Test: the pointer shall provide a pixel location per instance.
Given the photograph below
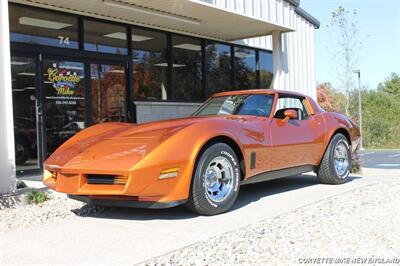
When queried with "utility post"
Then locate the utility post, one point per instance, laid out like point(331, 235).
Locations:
point(358, 72)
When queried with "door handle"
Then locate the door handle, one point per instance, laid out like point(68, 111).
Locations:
point(39, 117)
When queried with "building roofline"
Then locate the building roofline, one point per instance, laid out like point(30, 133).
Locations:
point(303, 13)
point(295, 3)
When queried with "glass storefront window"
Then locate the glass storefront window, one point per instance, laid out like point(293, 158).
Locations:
point(36, 26)
point(245, 68)
point(23, 78)
point(266, 69)
point(105, 37)
point(218, 64)
point(108, 93)
point(63, 83)
point(187, 69)
point(150, 65)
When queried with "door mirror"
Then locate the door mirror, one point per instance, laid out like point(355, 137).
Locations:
point(290, 114)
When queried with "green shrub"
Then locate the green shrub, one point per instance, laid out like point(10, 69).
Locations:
point(36, 196)
point(381, 123)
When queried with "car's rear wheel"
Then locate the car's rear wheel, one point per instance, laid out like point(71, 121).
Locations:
point(216, 180)
point(335, 165)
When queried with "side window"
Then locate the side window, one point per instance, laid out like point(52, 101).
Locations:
point(258, 105)
point(297, 104)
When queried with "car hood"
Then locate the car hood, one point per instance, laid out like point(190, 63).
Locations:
point(119, 148)
point(115, 150)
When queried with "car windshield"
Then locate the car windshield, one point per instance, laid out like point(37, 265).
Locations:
point(246, 104)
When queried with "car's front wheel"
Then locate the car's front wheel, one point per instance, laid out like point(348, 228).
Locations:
point(216, 181)
point(335, 165)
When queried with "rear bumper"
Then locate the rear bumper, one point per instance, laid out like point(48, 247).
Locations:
point(127, 203)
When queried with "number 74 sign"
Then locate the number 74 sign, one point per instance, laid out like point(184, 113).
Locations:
point(63, 40)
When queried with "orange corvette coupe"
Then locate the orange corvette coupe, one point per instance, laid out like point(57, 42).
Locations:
point(234, 138)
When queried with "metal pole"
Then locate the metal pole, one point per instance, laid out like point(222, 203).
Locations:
point(360, 109)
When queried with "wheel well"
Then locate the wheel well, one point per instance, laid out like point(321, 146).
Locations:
point(231, 143)
point(344, 132)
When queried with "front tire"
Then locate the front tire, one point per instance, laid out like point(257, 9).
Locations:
point(335, 165)
point(216, 181)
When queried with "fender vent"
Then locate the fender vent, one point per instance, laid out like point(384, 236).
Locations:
point(252, 160)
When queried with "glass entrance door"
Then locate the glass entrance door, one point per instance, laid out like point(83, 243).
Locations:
point(64, 101)
point(108, 93)
point(26, 113)
point(55, 98)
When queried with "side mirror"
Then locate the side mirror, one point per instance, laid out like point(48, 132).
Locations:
point(290, 114)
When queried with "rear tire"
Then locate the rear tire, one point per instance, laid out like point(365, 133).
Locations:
point(216, 181)
point(335, 165)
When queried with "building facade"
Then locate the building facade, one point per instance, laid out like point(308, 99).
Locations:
point(66, 65)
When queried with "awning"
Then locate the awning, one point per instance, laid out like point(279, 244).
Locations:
point(192, 17)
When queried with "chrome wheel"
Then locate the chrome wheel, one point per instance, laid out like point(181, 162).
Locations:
point(341, 159)
point(219, 179)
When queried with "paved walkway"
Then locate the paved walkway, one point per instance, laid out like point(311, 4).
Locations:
point(128, 236)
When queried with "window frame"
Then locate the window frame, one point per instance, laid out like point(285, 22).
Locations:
point(168, 55)
point(82, 54)
point(256, 68)
point(231, 65)
point(81, 34)
point(55, 12)
point(202, 66)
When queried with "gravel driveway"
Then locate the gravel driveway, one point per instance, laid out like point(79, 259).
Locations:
point(360, 224)
point(58, 208)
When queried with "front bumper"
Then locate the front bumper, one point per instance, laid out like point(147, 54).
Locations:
point(126, 202)
point(143, 185)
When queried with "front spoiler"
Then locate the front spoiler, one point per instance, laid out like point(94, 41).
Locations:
point(127, 203)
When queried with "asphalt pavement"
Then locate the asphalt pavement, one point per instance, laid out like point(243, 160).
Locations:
point(380, 159)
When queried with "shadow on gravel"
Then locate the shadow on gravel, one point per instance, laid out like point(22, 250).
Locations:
point(248, 194)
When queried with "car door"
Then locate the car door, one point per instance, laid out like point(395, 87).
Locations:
point(295, 142)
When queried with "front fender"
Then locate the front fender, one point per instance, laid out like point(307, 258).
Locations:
point(336, 122)
point(181, 151)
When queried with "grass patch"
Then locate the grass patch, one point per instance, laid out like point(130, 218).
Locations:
point(36, 196)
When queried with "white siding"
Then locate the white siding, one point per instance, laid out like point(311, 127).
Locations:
point(7, 161)
point(298, 47)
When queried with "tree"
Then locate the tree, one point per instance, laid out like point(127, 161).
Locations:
point(344, 27)
point(329, 99)
point(391, 85)
point(380, 118)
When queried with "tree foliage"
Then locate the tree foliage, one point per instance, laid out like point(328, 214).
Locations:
point(391, 85)
point(329, 99)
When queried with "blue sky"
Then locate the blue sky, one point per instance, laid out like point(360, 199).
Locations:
point(379, 25)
